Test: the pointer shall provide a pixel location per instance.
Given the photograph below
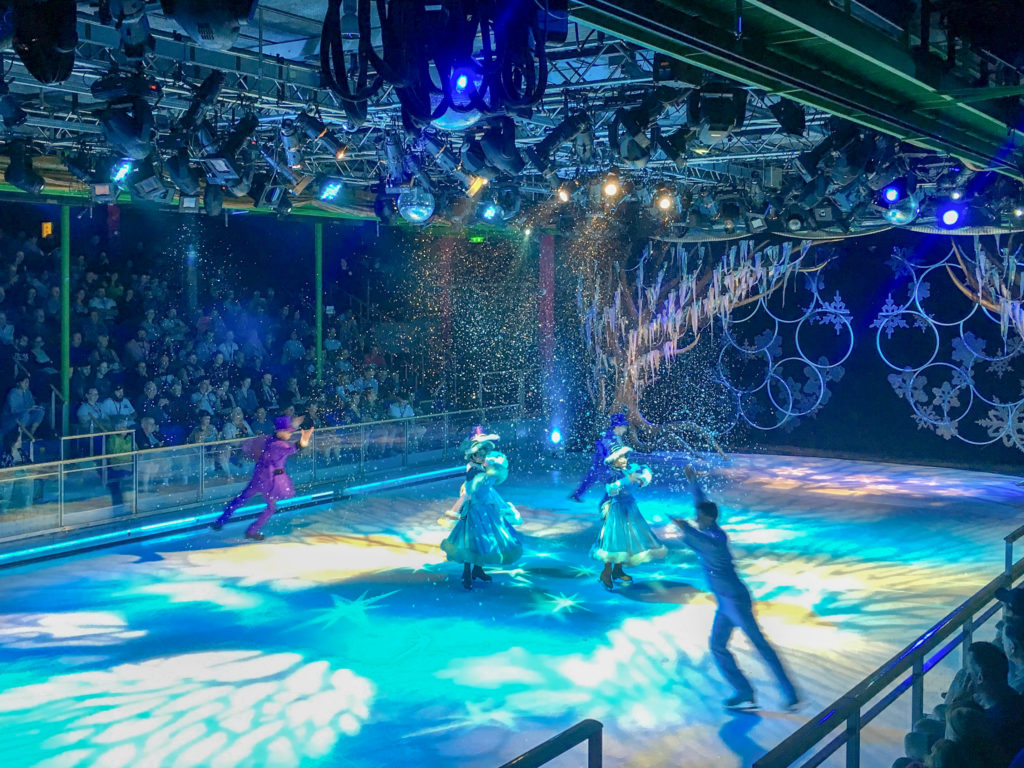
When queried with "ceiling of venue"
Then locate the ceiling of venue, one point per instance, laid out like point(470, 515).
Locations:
point(721, 117)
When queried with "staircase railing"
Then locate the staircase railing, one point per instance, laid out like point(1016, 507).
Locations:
point(589, 731)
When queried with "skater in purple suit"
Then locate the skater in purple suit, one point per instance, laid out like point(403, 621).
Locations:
point(269, 476)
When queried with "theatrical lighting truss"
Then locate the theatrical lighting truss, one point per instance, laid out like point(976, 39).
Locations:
point(591, 80)
point(10, 109)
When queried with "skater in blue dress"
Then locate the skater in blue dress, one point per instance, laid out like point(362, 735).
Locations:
point(625, 538)
point(483, 534)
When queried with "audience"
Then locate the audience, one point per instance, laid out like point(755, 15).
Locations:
point(137, 354)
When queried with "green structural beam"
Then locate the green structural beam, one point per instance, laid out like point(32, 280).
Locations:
point(65, 316)
point(826, 58)
point(318, 255)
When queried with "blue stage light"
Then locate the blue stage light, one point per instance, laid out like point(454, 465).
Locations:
point(121, 171)
point(461, 82)
point(490, 212)
point(330, 190)
point(891, 194)
point(950, 217)
point(556, 436)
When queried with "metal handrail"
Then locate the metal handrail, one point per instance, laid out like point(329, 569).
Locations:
point(241, 440)
point(1009, 541)
point(847, 709)
point(586, 730)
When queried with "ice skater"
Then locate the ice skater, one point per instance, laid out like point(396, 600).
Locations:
point(483, 534)
point(735, 606)
point(625, 538)
point(609, 440)
point(269, 476)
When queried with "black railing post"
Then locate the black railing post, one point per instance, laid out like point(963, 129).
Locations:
point(966, 639)
point(917, 691)
point(853, 739)
point(595, 750)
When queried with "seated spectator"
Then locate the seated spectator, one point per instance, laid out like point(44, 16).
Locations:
point(103, 380)
point(292, 396)
point(94, 327)
point(218, 369)
point(103, 304)
point(245, 397)
point(204, 431)
point(6, 330)
point(267, 394)
point(138, 349)
point(1012, 636)
point(373, 358)
point(135, 379)
point(225, 401)
point(261, 424)
point(40, 360)
point(207, 348)
point(371, 409)
point(147, 436)
point(118, 409)
point(400, 408)
point(21, 352)
point(293, 349)
point(163, 375)
point(79, 306)
point(90, 414)
point(1003, 707)
point(78, 354)
point(152, 404)
point(228, 347)
point(205, 399)
point(81, 381)
point(52, 305)
point(104, 354)
point(20, 410)
point(172, 327)
point(150, 324)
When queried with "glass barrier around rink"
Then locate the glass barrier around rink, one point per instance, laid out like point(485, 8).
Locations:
point(92, 488)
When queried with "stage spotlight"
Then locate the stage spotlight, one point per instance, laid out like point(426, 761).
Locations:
point(905, 210)
point(188, 204)
point(203, 98)
point(633, 143)
point(183, 174)
point(20, 172)
point(449, 163)
point(10, 109)
point(956, 194)
point(790, 117)
point(213, 200)
point(897, 191)
point(674, 145)
point(527, 232)
point(210, 25)
point(797, 220)
point(719, 108)
point(466, 81)
point(611, 186)
point(222, 166)
point(290, 142)
point(120, 171)
point(499, 146)
point(128, 127)
point(319, 131)
point(330, 188)
point(564, 194)
point(284, 204)
point(145, 184)
point(416, 205)
point(555, 436)
point(568, 130)
point(951, 216)
point(664, 202)
point(45, 37)
point(490, 211)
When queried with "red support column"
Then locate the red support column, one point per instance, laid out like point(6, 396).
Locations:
point(546, 314)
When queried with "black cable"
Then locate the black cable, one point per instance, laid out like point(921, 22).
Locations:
point(334, 71)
